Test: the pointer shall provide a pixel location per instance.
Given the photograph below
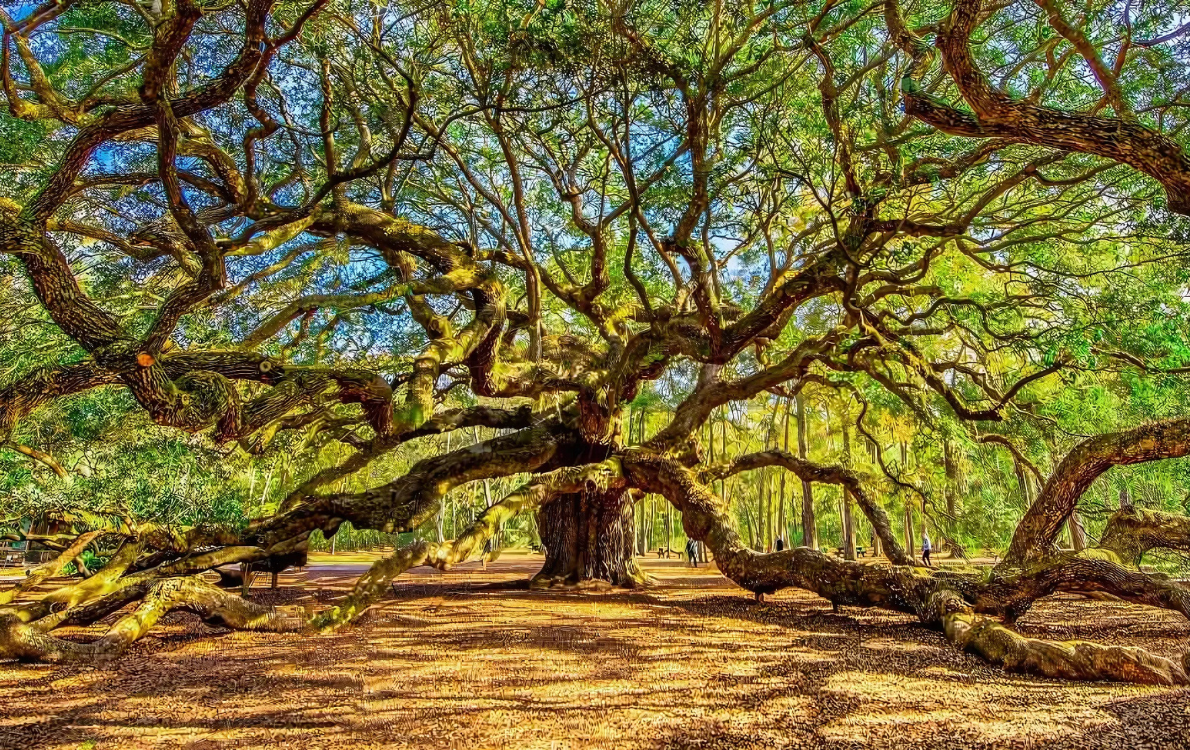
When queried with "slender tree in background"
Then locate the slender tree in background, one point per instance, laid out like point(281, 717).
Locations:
point(809, 524)
point(846, 520)
point(374, 224)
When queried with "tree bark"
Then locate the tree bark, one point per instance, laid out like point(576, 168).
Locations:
point(783, 523)
point(909, 536)
point(1132, 531)
point(1078, 533)
point(955, 602)
point(588, 537)
point(995, 114)
point(951, 478)
point(1035, 534)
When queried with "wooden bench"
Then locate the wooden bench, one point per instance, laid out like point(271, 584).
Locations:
point(244, 574)
point(667, 553)
point(861, 551)
point(11, 556)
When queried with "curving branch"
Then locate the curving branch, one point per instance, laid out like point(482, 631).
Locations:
point(995, 114)
point(1035, 534)
point(808, 471)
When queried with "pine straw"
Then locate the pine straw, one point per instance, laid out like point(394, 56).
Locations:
point(692, 663)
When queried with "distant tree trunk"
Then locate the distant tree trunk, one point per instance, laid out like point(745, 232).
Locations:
point(669, 527)
point(487, 503)
point(268, 481)
point(641, 512)
point(1078, 534)
point(951, 477)
point(652, 525)
point(910, 548)
point(723, 455)
point(440, 519)
point(1022, 482)
point(809, 525)
point(872, 449)
point(588, 536)
point(638, 508)
point(750, 525)
point(782, 523)
point(848, 522)
point(761, 508)
point(909, 536)
point(950, 527)
point(766, 492)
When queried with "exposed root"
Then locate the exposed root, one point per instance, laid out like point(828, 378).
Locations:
point(1071, 660)
point(52, 568)
point(959, 603)
point(704, 517)
point(564, 583)
point(946, 599)
point(1090, 571)
point(99, 583)
point(25, 641)
point(371, 586)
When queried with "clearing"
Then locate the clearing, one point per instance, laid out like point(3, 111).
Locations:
point(470, 659)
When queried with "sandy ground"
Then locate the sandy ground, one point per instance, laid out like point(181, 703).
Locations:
point(471, 660)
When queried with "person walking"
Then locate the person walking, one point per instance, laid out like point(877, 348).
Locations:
point(692, 552)
point(925, 548)
point(487, 552)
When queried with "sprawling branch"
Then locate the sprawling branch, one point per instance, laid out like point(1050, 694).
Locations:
point(811, 472)
point(997, 115)
point(1035, 535)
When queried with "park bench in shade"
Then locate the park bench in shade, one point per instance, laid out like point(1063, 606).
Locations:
point(11, 556)
point(861, 551)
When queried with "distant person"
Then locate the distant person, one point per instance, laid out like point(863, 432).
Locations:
point(780, 544)
point(692, 552)
point(925, 548)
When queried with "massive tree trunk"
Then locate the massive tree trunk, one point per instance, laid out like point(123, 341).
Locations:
point(588, 537)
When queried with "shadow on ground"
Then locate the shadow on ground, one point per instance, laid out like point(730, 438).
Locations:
point(449, 661)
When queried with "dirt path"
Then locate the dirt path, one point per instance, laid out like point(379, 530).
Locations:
point(468, 660)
